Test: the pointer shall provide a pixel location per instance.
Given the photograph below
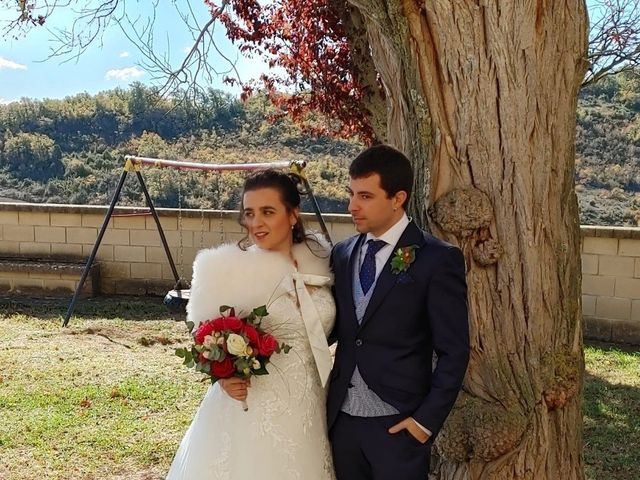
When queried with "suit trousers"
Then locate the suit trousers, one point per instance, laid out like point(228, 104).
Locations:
point(363, 449)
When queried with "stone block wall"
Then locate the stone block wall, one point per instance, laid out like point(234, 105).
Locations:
point(131, 256)
point(611, 283)
point(132, 260)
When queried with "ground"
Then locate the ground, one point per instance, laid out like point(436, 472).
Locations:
point(107, 398)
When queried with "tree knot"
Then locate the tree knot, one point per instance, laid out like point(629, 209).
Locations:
point(562, 380)
point(480, 430)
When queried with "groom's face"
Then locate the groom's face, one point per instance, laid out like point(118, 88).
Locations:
point(371, 208)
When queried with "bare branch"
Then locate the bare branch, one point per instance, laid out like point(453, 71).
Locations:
point(192, 77)
point(28, 14)
point(196, 72)
point(88, 26)
point(614, 38)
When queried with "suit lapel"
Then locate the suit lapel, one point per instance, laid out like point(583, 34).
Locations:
point(386, 280)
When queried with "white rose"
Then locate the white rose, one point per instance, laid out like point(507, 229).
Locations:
point(236, 344)
point(256, 364)
point(209, 341)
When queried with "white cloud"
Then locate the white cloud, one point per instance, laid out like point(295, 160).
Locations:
point(124, 55)
point(4, 101)
point(124, 73)
point(4, 63)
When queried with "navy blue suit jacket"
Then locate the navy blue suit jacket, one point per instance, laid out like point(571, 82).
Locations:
point(410, 315)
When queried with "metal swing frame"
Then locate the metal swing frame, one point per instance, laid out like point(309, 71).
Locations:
point(134, 164)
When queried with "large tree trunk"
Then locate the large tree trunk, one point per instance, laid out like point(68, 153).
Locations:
point(482, 96)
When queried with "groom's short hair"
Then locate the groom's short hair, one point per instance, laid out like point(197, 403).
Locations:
point(393, 167)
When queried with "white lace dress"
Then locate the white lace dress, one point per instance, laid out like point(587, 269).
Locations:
point(283, 435)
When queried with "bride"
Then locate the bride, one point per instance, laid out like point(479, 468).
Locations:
point(283, 434)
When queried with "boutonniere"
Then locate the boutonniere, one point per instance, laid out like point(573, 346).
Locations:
point(403, 259)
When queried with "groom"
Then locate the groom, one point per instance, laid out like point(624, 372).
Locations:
point(400, 296)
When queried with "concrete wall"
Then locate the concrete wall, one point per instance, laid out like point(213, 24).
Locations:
point(132, 260)
point(611, 283)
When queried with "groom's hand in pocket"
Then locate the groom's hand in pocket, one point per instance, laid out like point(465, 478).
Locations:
point(410, 425)
point(236, 388)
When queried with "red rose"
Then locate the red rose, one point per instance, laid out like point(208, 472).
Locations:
point(252, 334)
point(218, 324)
point(268, 345)
point(205, 328)
point(233, 323)
point(223, 369)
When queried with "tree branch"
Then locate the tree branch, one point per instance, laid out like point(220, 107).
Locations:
point(192, 77)
point(614, 38)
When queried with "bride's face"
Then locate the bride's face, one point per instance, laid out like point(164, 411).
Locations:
point(268, 220)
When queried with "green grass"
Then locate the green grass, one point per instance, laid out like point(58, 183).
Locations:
point(611, 408)
point(106, 397)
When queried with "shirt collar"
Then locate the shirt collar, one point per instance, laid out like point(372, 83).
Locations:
point(392, 236)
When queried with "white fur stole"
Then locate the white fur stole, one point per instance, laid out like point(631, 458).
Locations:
point(245, 279)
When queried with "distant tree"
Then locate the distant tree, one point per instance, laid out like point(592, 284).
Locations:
point(150, 144)
point(220, 111)
point(144, 109)
point(606, 87)
point(32, 155)
point(629, 82)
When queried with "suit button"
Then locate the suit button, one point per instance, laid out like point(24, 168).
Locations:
point(358, 343)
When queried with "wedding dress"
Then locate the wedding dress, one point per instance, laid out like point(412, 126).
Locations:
point(283, 435)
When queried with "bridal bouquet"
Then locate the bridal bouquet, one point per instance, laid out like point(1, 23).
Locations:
point(231, 346)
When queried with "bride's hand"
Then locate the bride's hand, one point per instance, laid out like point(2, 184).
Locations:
point(236, 388)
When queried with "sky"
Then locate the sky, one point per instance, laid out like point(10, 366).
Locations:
point(26, 70)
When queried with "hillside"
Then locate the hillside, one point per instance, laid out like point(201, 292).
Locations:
point(71, 150)
point(608, 152)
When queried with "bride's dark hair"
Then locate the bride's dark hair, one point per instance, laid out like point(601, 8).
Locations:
point(287, 186)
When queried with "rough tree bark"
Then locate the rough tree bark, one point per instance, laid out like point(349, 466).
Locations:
point(482, 96)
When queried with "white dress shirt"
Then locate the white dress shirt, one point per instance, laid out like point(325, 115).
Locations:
point(390, 237)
